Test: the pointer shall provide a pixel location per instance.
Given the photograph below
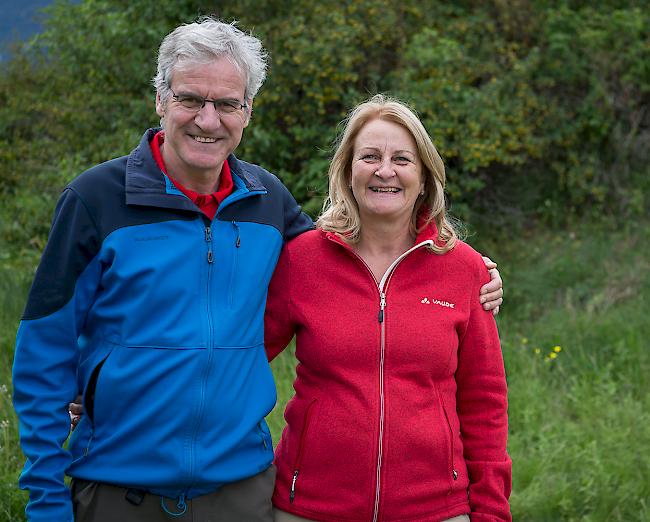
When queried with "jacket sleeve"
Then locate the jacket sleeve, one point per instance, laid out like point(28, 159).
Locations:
point(278, 324)
point(46, 356)
point(295, 220)
point(483, 410)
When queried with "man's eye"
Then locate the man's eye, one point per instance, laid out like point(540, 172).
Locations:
point(228, 105)
point(190, 102)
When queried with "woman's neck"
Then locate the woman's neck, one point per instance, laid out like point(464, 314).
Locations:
point(379, 245)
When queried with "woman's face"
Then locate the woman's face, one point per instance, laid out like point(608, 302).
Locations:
point(386, 172)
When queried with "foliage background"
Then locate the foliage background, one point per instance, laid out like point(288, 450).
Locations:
point(540, 110)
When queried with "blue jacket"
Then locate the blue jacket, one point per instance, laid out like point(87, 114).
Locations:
point(156, 315)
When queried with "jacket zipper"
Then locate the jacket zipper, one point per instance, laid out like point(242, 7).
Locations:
point(207, 230)
point(382, 287)
point(235, 263)
point(260, 432)
point(382, 306)
point(301, 447)
point(208, 240)
point(90, 439)
point(206, 367)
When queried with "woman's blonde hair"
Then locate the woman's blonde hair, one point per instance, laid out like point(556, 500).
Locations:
point(341, 212)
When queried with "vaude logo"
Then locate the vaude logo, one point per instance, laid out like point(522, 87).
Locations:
point(425, 300)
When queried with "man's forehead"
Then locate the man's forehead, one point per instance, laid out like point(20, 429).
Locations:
point(207, 65)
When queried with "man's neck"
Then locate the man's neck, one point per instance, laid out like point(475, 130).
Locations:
point(200, 183)
point(203, 181)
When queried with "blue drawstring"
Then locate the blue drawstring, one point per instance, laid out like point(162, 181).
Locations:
point(180, 505)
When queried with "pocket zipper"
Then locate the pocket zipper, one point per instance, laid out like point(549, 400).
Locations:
point(301, 447)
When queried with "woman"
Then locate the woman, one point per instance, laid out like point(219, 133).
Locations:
point(400, 411)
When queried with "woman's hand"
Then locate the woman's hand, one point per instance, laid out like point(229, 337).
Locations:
point(492, 292)
point(76, 410)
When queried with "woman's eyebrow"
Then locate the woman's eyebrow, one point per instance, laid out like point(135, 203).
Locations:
point(406, 151)
point(372, 148)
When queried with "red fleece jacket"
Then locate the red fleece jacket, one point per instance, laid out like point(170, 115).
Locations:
point(400, 411)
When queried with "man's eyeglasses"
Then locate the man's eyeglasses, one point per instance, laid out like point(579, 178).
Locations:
point(194, 103)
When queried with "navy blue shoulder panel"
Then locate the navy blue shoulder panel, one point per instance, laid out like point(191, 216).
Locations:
point(102, 189)
point(89, 209)
point(71, 245)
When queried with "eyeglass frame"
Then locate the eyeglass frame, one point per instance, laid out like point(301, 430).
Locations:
point(214, 102)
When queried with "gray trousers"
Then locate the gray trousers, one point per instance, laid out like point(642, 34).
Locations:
point(283, 516)
point(246, 500)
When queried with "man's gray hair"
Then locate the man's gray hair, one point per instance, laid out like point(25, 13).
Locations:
point(203, 41)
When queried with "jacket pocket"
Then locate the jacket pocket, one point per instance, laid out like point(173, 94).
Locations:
point(264, 434)
point(309, 412)
point(451, 472)
point(82, 437)
point(89, 392)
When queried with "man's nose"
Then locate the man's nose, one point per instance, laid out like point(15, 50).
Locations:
point(208, 117)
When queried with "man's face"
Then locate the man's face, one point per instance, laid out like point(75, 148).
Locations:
point(197, 143)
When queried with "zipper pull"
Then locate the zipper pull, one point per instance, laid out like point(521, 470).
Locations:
point(208, 239)
point(293, 486)
point(455, 474)
point(382, 305)
point(236, 227)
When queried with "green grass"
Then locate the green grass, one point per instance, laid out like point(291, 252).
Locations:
point(579, 419)
point(13, 288)
point(579, 416)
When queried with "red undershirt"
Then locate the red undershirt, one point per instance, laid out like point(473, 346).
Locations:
point(207, 203)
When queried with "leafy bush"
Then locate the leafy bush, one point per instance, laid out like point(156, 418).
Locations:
point(540, 109)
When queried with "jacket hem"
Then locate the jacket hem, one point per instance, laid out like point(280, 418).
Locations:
point(457, 509)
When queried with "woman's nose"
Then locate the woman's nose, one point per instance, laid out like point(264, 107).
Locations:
point(385, 169)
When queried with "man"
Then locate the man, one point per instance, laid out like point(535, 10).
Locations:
point(150, 299)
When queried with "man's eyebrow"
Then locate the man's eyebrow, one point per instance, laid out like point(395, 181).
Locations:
point(195, 95)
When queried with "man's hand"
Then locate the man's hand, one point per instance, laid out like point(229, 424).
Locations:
point(492, 292)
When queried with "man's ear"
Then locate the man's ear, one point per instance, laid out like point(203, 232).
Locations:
point(160, 107)
point(249, 112)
